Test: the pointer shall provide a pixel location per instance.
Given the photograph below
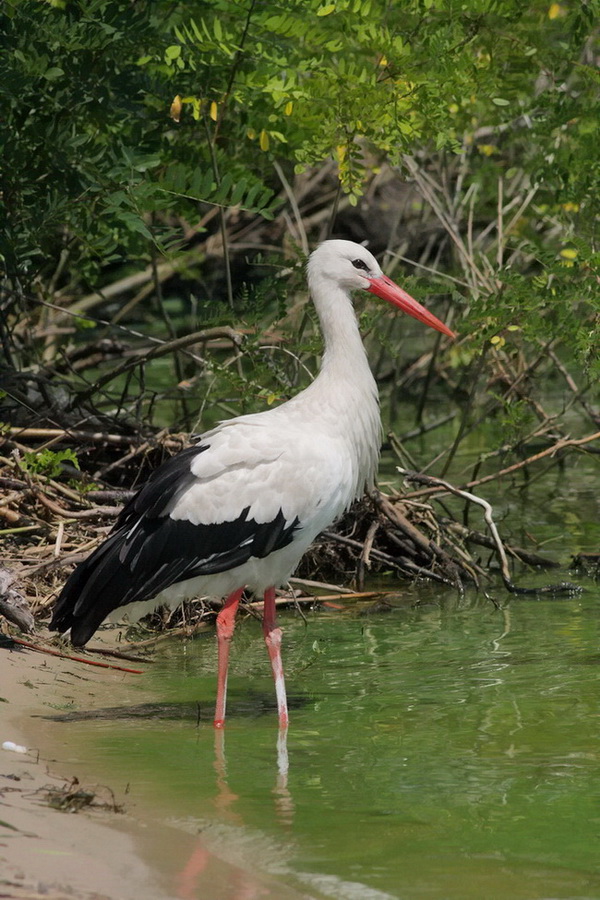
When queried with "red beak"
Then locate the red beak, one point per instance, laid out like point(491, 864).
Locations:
point(385, 288)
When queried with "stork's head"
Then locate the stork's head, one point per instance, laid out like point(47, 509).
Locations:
point(351, 266)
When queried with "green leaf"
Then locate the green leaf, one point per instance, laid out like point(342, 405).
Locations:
point(207, 185)
point(48, 462)
point(238, 192)
point(53, 73)
point(223, 188)
point(134, 223)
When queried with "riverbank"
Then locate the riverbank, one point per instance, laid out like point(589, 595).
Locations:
point(111, 849)
point(43, 850)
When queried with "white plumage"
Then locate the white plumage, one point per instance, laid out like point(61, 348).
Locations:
point(239, 509)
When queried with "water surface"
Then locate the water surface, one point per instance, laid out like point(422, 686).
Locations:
point(442, 749)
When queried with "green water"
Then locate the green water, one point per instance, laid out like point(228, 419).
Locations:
point(443, 749)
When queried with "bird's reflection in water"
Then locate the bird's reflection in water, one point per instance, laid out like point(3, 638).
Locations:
point(224, 798)
point(284, 804)
point(243, 884)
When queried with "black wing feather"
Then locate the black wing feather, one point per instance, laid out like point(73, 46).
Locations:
point(148, 551)
point(163, 489)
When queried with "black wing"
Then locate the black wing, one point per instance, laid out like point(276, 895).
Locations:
point(148, 551)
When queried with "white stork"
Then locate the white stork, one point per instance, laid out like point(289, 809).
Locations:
point(240, 507)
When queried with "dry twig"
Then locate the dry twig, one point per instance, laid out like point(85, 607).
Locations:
point(563, 587)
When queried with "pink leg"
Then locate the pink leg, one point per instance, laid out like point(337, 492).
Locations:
point(225, 627)
point(273, 641)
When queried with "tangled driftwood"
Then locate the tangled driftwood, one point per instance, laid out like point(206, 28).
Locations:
point(50, 525)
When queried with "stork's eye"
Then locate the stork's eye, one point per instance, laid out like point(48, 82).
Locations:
point(360, 264)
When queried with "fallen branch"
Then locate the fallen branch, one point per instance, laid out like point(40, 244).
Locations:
point(405, 567)
point(560, 588)
point(92, 513)
point(476, 537)
point(429, 547)
point(94, 437)
point(197, 337)
point(88, 662)
point(549, 451)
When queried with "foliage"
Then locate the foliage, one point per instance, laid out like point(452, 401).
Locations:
point(88, 87)
point(135, 134)
point(48, 462)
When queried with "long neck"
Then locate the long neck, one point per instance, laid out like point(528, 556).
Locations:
point(344, 394)
point(344, 356)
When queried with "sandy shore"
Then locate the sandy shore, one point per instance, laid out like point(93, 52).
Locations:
point(94, 853)
point(45, 851)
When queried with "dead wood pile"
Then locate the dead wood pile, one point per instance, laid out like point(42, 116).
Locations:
point(48, 525)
